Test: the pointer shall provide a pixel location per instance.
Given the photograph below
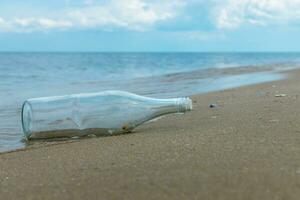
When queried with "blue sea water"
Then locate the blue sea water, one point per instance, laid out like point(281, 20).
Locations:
point(162, 75)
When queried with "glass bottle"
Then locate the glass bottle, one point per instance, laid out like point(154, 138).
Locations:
point(103, 113)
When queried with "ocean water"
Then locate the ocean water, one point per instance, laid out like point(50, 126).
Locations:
point(161, 75)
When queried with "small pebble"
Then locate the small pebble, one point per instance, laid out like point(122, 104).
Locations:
point(213, 105)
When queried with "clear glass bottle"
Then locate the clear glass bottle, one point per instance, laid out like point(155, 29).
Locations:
point(103, 113)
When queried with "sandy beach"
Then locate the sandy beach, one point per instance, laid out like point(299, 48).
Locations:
point(247, 147)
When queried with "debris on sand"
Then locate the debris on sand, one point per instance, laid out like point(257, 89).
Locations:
point(280, 95)
point(213, 105)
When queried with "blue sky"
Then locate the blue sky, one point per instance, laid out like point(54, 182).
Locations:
point(150, 25)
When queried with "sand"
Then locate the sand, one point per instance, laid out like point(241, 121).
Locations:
point(248, 147)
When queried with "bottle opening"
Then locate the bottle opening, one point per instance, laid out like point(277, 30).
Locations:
point(185, 104)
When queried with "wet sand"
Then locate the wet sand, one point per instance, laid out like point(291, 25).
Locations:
point(247, 147)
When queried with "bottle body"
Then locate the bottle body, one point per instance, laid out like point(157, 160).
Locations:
point(103, 113)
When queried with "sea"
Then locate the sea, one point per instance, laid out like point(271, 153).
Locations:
point(159, 75)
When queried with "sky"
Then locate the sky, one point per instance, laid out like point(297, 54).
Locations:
point(150, 25)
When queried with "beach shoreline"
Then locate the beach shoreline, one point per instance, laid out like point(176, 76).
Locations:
point(246, 147)
point(157, 75)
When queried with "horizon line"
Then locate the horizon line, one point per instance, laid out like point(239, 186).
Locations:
point(42, 51)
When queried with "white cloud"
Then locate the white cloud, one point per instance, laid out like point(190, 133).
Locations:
point(32, 24)
point(234, 13)
point(131, 14)
point(24, 22)
point(4, 25)
point(127, 14)
point(50, 23)
point(1, 20)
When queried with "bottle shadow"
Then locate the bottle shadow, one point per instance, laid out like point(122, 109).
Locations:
point(61, 140)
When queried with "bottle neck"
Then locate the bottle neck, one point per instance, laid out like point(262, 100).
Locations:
point(176, 105)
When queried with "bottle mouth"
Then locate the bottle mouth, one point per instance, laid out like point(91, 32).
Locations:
point(185, 104)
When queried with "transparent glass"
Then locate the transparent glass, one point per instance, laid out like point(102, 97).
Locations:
point(103, 113)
